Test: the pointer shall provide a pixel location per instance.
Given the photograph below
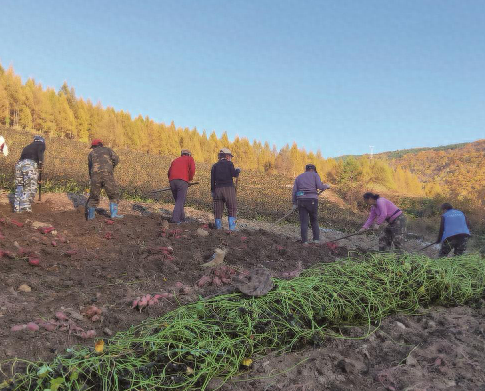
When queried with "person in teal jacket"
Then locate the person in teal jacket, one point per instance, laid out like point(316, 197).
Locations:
point(454, 231)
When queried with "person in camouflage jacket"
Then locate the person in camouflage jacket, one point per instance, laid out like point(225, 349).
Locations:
point(101, 162)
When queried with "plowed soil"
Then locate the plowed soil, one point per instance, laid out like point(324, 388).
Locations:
point(109, 263)
point(104, 265)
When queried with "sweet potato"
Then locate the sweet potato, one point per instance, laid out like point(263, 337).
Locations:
point(32, 326)
point(88, 334)
point(91, 311)
point(49, 325)
point(18, 327)
point(45, 230)
point(17, 223)
point(34, 261)
point(61, 315)
point(203, 281)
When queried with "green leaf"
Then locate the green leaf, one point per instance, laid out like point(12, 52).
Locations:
point(56, 383)
point(43, 371)
point(74, 375)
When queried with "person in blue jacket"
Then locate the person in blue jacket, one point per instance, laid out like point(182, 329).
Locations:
point(454, 231)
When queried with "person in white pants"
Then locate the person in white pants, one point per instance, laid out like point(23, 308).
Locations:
point(3, 147)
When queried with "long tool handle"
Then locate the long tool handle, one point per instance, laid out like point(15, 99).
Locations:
point(425, 247)
point(169, 188)
point(40, 185)
point(285, 216)
point(345, 237)
point(159, 190)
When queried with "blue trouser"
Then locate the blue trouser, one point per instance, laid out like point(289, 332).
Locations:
point(179, 191)
point(308, 209)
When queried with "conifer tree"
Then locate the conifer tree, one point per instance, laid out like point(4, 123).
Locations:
point(4, 105)
point(25, 118)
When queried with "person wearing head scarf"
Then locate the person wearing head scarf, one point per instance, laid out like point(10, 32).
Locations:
point(27, 174)
point(305, 199)
point(180, 173)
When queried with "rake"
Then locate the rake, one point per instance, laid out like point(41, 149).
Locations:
point(331, 244)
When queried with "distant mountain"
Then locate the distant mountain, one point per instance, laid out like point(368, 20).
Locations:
point(401, 152)
point(457, 170)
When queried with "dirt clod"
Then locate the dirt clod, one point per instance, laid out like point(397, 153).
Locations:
point(258, 283)
point(24, 288)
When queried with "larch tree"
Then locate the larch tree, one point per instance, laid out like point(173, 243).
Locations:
point(4, 106)
point(25, 117)
point(65, 120)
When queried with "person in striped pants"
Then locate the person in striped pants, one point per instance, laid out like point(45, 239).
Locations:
point(223, 190)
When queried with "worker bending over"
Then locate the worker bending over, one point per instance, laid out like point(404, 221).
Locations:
point(454, 231)
point(382, 210)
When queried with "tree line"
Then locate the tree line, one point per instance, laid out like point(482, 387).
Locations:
point(30, 106)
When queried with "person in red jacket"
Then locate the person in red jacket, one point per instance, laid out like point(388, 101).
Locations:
point(180, 173)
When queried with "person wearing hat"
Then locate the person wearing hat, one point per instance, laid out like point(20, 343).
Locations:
point(305, 199)
point(222, 188)
point(101, 163)
point(454, 231)
point(180, 173)
point(27, 173)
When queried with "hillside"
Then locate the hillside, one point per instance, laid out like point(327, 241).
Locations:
point(31, 107)
point(402, 152)
point(260, 195)
point(456, 171)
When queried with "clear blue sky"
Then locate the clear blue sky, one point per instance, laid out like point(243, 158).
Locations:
point(337, 75)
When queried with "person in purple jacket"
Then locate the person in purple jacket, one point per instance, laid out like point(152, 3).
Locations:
point(305, 199)
point(382, 210)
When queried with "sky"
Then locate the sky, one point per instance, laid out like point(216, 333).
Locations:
point(334, 75)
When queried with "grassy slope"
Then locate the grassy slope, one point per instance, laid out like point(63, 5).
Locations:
point(259, 196)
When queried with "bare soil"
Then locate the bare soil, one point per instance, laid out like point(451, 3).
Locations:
point(105, 264)
point(108, 263)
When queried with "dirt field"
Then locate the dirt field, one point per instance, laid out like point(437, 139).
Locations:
point(89, 273)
